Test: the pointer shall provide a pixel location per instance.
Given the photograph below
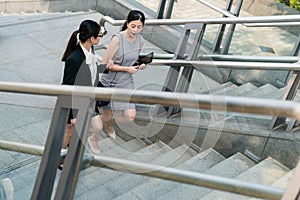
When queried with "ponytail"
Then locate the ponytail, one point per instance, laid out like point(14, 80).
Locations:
point(71, 45)
point(87, 29)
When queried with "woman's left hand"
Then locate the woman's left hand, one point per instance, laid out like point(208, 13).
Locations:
point(142, 66)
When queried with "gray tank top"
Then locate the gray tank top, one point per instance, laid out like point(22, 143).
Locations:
point(126, 55)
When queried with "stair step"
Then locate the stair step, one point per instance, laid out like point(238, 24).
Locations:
point(266, 172)
point(157, 187)
point(124, 149)
point(284, 180)
point(225, 90)
point(150, 152)
point(262, 92)
point(231, 167)
point(175, 157)
point(106, 144)
point(127, 181)
point(245, 88)
point(281, 182)
point(94, 177)
point(218, 88)
point(102, 178)
point(279, 93)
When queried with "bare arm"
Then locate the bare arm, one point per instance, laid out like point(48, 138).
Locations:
point(111, 50)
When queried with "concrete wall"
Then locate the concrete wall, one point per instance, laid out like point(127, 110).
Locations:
point(257, 144)
point(18, 6)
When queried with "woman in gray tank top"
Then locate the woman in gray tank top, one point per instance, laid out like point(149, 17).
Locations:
point(123, 50)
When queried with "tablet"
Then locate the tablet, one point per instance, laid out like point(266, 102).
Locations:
point(145, 59)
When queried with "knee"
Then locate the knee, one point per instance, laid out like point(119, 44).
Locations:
point(96, 129)
point(96, 125)
point(106, 118)
point(130, 118)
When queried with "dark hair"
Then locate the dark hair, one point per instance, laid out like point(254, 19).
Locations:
point(132, 16)
point(87, 29)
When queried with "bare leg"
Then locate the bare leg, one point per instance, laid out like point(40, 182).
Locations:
point(95, 129)
point(68, 134)
point(108, 121)
point(126, 117)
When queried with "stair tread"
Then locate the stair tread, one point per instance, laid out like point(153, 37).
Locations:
point(225, 90)
point(262, 92)
point(131, 180)
point(245, 88)
point(218, 88)
point(230, 168)
point(124, 149)
point(157, 187)
point(281, 182)
point(150, 152)
point(265, 172)
point(103, 175)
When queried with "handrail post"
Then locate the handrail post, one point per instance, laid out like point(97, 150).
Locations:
point(51, 159)
point(220, 34)
point(231, 29)
point(289, 94)
point(170, 9)
point(176, 82)
point(72, 164)
point(161, 9)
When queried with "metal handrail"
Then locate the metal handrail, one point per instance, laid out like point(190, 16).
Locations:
point(228, 14)
point(31, 149)
point(240, 58)
point(197, 101)
point(229, 64)
point(237, 20)
point(219, 10)
point(243, 58)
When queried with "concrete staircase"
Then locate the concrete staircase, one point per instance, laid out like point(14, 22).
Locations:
point(102, 183)
point(110, 184)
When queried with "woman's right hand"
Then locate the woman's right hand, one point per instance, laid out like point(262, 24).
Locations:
point(110, 64)
point(132, 69)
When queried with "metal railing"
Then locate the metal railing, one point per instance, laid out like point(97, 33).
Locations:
point(232, 104)
point(197, 101)
point(237, 20)
point(228, 14)
point(229, 64)
point(238, 58)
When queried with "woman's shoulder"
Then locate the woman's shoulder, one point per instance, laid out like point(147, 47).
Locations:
point(76, 54)
point(115, 39)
